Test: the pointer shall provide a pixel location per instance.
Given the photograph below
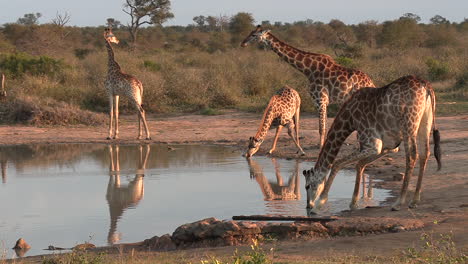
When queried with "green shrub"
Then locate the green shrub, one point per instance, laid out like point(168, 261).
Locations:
point(151, 65)
point(18, 64)
point(346, 62)
point(437, 70)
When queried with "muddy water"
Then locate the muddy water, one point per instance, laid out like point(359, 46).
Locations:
point(63, 195)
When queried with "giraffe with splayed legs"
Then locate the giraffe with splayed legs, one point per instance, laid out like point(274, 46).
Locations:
point(329, 82)
point(402, 111)
point(282, 110)
point(121, 84)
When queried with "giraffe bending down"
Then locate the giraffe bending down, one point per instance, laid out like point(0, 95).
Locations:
point(402, 111)
point(282, 110)
point(118, 83)
point(276, 190)
point(329, 82)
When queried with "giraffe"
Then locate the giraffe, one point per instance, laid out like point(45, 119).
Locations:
point(118, 83)
point(120, 197)
point(402, 111)
point(282, 110)
point(276, 191)
point(329, 82)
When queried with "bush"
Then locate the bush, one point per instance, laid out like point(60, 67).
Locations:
point(34, 111)
point(18, 64)
point(346, 62)
point(437, 70)
point(151, 65)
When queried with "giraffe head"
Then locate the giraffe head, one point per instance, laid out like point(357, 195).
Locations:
point(109, 36)
point(258, 34)
point(314, 185)
point(254, 145)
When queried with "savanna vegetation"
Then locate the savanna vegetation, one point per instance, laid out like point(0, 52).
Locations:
point(201, 67)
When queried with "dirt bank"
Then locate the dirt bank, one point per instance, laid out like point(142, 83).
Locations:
point(444, 196)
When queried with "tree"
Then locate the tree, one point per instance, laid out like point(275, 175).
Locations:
point(150, 12)
point(411, 16)
point(240, 25)
point(29, 19)
point(402, 33)
point(61, 20)
point(200, 21)
point(112, 23)
point(439, 20)
point(367, 32)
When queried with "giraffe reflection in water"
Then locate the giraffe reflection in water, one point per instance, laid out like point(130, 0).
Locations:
point(276, 190)
point(3, 164)
point(119, 196)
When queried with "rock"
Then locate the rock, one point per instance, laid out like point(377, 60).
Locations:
point(370, 225)
point(21, 244)
point(163, 243)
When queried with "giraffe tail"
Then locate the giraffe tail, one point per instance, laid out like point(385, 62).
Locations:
point(435, 131)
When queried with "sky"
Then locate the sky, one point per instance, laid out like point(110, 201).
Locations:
point(95, 12)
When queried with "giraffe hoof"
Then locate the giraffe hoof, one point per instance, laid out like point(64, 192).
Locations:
point(395, 208)
point(148, 138)
point(413, 205)
point(108, 138)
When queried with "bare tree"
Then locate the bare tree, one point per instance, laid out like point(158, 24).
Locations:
point(150, 12)
point(61, 19)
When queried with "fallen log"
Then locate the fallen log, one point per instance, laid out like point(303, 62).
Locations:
point(284, 218)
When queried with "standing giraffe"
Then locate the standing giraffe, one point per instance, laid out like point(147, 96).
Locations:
point(329, 82)
point(403, 110)
point(282, 110)
point(118, 83)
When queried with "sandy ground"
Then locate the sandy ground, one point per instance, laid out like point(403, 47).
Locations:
point(444, 196)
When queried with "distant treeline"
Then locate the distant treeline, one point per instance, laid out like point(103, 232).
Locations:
point(201, 66)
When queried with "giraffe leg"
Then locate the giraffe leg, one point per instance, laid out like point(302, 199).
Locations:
point(279, 178)
point(145, 124)
point(111, 156)
point(278, 130)
point(142, 117)
point(111, 115)
point(296, 130)
point(116, 112)
point(293, 137)
point(424, 133)
point(411, 156)
point(322, 121)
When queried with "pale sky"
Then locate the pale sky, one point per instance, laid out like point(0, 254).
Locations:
point(95, 12)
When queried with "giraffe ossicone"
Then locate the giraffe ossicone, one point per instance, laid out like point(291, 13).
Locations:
point(329, 82)
point(402, 111)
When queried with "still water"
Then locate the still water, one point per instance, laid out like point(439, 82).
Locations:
point(64, 194)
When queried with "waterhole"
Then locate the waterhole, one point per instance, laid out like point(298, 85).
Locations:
point(67, 194)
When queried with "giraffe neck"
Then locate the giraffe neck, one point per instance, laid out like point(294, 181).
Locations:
point(331, 147)
point(267, 120)
point(293, 56)
point(112, 65)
